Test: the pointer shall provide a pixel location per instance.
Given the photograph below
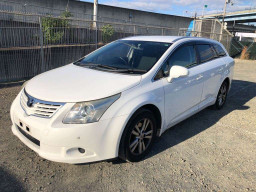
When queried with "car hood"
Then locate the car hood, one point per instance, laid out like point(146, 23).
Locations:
point(73, 83)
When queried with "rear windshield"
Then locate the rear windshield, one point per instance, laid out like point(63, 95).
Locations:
point(138, 56)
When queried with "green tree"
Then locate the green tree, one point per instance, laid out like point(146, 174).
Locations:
point(53, 27)
point(108, 32)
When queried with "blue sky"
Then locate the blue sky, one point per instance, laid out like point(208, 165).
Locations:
point(180, 7)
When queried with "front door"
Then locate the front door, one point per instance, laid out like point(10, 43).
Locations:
point(183, 94)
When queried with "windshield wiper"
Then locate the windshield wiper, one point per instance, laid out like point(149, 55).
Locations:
point(95, 65)
point(110, 68)
point(131, 70)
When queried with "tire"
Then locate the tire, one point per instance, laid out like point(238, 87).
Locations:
point(222, 96)
point(138, 136)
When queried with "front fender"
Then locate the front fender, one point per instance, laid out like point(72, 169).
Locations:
point(129, 102)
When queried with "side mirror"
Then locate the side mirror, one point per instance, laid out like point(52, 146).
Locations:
point(176, 72)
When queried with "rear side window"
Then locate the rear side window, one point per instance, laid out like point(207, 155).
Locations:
point(220, 51)
point(184, 56)
point(206, 53)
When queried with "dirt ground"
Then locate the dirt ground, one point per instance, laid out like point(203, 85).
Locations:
point(211, 151)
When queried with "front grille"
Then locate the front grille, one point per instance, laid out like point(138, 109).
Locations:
point(29, 137)
point(36, 107)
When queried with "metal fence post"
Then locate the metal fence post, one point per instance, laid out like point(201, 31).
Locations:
point(41, 44)
point(58, 45)
point(96, 34)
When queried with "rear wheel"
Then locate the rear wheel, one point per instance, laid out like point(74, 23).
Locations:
point(138, 136)
point(222, 96)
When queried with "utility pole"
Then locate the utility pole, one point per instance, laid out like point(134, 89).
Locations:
point(223, 17)
point(67, 6)
point(95, 18)
point(224, 12)
point(95, 13)
point(25, 10)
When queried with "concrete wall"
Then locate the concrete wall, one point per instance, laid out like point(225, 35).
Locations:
point(105, 13)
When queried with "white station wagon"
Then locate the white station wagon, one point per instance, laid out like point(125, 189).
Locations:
point(115, 101)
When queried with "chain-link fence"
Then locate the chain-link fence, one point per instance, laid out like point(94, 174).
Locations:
point(31, 43)
point(211, 29)
point(225, 39)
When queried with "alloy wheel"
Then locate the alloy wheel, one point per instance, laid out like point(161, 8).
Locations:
point(141, 136)
point(222, 95)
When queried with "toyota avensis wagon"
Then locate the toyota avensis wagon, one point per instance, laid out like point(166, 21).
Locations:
point(116, 100)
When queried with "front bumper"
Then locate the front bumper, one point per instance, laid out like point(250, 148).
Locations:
point(60, 142)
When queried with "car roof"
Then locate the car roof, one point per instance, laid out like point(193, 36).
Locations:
point(165, 39)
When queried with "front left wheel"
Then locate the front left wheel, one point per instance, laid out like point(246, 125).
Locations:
point(138, 136)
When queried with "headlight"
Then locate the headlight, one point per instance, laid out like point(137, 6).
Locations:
point(89, 112)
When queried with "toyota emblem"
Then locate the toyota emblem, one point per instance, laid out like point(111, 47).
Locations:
point(30, 102)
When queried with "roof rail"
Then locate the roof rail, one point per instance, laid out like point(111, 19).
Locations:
point(182, 37)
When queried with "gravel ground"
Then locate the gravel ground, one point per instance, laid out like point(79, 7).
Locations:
point(212, 150)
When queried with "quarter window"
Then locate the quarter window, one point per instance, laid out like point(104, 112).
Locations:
point(205, 53)
point(220, 51)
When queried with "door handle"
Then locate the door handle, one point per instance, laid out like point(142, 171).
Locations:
point(199, 77)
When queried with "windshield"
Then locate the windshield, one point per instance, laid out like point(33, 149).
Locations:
point(125, 56)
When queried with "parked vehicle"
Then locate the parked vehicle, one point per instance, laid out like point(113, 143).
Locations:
point(116, 100)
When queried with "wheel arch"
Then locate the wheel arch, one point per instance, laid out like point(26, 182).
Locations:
point(151, 107)
point(154, 109)
point(227, 79)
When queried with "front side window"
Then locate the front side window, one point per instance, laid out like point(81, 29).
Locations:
point(206, 53)
point(126, 56)
point(184, 56)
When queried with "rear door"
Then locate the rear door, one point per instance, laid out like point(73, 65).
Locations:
point(213, 66)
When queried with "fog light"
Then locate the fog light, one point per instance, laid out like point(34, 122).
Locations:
point(81, 150)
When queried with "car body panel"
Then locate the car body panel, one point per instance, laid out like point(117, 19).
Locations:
point(73, 83)
point(176, 101)
point(183, 94)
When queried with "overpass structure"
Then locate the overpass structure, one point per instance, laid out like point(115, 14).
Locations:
point(246, 16)
point(236, 20)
